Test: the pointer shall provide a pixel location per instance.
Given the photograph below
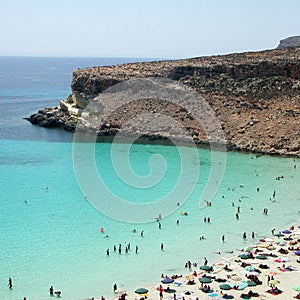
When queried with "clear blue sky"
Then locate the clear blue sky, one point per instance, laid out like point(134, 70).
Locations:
point(144, 28)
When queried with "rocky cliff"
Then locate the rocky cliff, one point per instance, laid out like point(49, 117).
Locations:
point(255, 96)
point(293, 41)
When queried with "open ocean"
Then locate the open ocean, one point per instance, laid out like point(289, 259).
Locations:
point(50, 236)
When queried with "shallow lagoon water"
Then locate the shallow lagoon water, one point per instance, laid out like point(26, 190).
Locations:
point(54, 238)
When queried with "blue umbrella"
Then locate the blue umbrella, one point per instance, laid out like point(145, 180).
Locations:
point(286, 231)
point(249, 268)
point(167, 280)
point(297, 252)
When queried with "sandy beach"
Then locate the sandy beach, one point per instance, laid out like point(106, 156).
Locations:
point(269, 269)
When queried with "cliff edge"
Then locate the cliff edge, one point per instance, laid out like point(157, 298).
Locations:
point(293, 41)
point(255, 96)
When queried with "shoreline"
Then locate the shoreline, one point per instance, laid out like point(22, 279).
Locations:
point(283, 271)
point(108, 137)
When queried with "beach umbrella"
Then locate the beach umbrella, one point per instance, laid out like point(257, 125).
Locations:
point(248, 249)
point(242, 286)
point(297, 288)
point(213, 295)
point(141, 291)
point(251, 283)
point(225, 287)
point(273, 281)
point(249, 268)
point(167, 280)
point(206, 268)
point(170, 291)
point(205, 280)
point(228, 297)
point(261, 257)
point(286, 231)
point(297, 252)
point(243, 256)
point(177, 283)
point(280, 241)
point(278, 234)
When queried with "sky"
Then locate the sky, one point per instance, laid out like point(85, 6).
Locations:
point(144, 28)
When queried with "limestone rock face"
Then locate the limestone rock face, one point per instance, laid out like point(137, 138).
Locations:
point(293, 41)
point(254, 95)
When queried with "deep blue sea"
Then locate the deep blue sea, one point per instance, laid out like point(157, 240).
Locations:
point(50, 232)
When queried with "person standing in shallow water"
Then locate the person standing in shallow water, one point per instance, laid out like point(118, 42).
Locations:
point(115, 287)
point(10, 282)
point(223, 238)
point(51, 290)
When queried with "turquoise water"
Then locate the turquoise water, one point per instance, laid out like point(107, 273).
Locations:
point(50, 236)
point(54, 238)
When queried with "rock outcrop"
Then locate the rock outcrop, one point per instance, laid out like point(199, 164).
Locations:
point(293, 41)
point(255, 96)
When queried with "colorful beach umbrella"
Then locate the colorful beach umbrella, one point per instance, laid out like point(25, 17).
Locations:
point(286, 231)
point(243, 256)
point(170, 291)
point(297, 288)
point(278, 234)
point(141, 291)
point(205, 280)
point(205, 268)
point(249, 268)
point(213, 295)
point(261, 257)
point(248, 249)
point(225, 287)
point(273, 281)
point(297, 252)
point(251, 283)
